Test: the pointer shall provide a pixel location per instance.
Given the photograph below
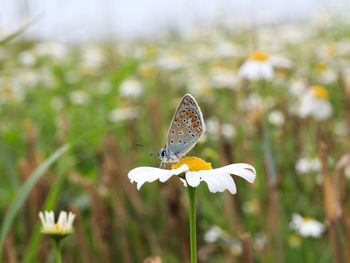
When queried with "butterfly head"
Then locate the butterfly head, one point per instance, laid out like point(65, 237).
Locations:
point(166, 156)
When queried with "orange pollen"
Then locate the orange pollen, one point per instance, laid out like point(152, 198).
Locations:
point(194, 163)
point(259, 56)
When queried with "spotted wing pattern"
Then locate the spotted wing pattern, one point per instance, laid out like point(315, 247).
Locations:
point(186, 127)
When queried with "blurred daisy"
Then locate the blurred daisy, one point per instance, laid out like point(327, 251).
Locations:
point(276, 118)
point(171, 61)
point(308, 165)
point(226, 129)
point(54, 50)
point(131, 88)
point(213, 234)
point(27, 58)
point(314, 104)
point(223, 78)
point(324, 73)
point(79, 97)
point(123, 114)
point(306, 226)
point(195, 171)
point(257, 67)
point(62, 228)
point(93, 57)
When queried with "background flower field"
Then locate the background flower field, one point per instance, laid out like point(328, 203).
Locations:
point(112, 102)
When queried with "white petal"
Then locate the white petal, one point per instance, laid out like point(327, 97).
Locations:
point(217, 181)
point(50, 218)
point(141, 175)
point(193, 179)
point(70, 219)
point(62, 219)
point(243, 170)
point(42, 218)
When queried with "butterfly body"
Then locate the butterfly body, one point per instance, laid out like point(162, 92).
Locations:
point(185, 130)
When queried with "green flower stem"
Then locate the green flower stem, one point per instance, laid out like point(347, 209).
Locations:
point(193, 239)
point(57, 251)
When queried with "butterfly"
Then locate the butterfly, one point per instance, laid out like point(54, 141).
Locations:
point(184, 132)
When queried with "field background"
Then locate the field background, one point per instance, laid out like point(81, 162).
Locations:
point(57, 93)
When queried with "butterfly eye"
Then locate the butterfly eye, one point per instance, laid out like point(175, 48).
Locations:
point(162, 153)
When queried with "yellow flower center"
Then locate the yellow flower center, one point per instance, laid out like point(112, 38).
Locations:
point(321, 68)
point(320, 92)
point(308, 219)
point(194, 164)
point(259, 56)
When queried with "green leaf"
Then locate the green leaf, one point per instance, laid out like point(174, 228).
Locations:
point(24, 191)
point(50, 203)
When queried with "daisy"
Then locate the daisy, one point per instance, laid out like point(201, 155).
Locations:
point(195, 171)
point(307, 226)
point(257, 67)
point(308, 165)
point(62, 228)
point(314, 104)
point(131, 88)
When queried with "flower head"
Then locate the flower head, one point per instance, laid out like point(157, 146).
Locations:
point(196, 170)
point(314, 104)
point(257, 67)
point(62, 228)
point(307, 226)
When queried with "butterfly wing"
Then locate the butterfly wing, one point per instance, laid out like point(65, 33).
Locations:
point(186, 127)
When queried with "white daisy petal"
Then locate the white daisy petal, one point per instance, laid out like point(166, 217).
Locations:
point(243, 170)
point(217, 181)
point(193, 178)
point(42, 219)
point(142, 175)
point(62, 218)
point(70, 219)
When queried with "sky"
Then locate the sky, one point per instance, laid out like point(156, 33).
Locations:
point(84, 20)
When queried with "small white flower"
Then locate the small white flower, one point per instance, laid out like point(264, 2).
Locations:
point(131, 88)
point(213, 234)
point(79, 97)
point(308, 165)
point(306, 226)
point(281, 62)
point(122, 114)
point(223, 78)
point(196, 170)
point(56, 50)
point(27, 58)
point(257, 67)
point(228, 130)
point(93, 57)
point(63, 227)
point(171, 61)
point(276, 118)
point(314, 104)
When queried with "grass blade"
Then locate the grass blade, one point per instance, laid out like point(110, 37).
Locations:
point(24, 191)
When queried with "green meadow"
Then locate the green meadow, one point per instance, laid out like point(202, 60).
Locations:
point(76, 118)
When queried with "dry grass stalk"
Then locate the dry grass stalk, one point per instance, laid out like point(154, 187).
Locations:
point(10, 254)
point(101, 218)
point(247, 248)
point(342, 189)
point(80, 236)
point(331, 204)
